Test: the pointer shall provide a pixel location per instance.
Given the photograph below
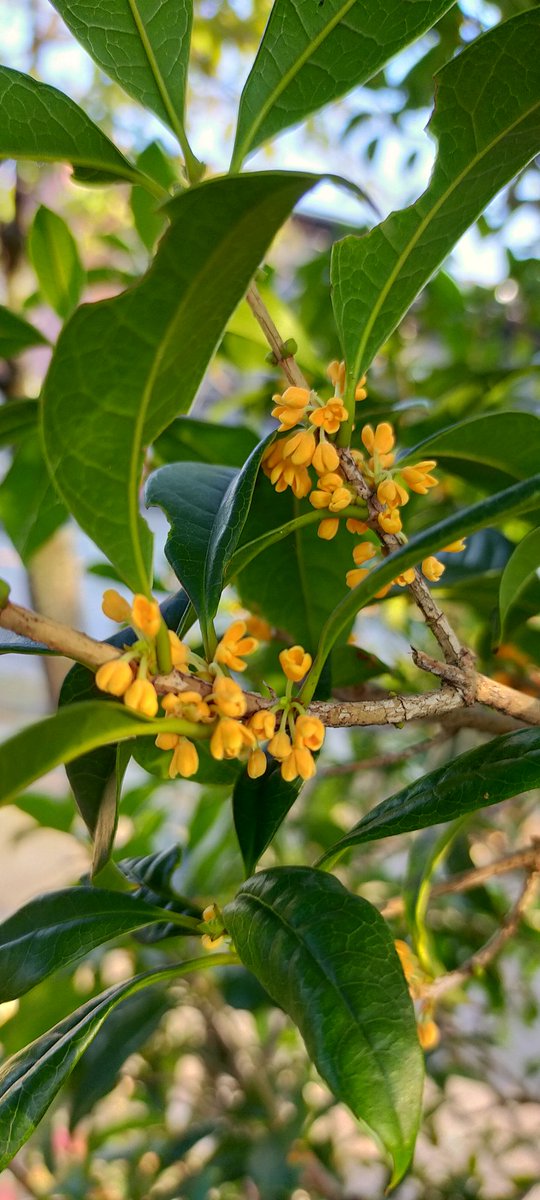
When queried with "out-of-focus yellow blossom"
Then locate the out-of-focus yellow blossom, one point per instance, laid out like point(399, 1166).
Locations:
point(432, 568)
point(146, 616)
point(234, 645)
point(228, 697)
point(115, 607)
point(295, 663)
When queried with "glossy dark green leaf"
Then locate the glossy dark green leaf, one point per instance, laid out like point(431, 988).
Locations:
point(328, 959)
point(143, 47)
point(30, 509)
point(149, 221)
point(259, 808)
point(74, 730)
point(228, 525)
point(17, 335)
point(494, 508)
point(41, 123)
point(486, 133)
point(508, 442)
point(520, 570)
point(190, 440)
point(506, 766)
point(311, 53)
point(139, 358)
point(30, 1080)
point(61, 927)
point(55, 259)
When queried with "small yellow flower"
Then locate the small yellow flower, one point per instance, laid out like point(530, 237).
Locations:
point(235, 644)
point(300, 448)
point(355, 526)
point(295, 663)
point(383, 591)
point(228, 697)
point(455, 547)
point(290, 407)
point(259, 628)
point(360, 390)
point(146, 616)
point(380, 441)
point(256, 764)
point(141, 696)
point(179, 652)
point(299, 762)
point(114, 677)
point(189, 705)
point(115, 607)
point(406, 577)
point(230, 738)
point(320, 499)
point(167, 741)
point(390, 521)
point(210, 912)
point(429, 1034)
point(280, 745)
point(212, 943)
point(325, 458)
point(391, 493)
point(418, 478)
point(185, 760)
point(336, 374)
point(263, 724)
point(340, 499)
point(309, 731)
point(329, 416)
point(353, 578)
point(328, 528)
point(432, 568)
point(363, 552)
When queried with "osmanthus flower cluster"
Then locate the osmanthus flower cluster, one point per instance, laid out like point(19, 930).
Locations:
point(287, 463)
point(233, 732)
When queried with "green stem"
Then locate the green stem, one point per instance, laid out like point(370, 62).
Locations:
point(163, 649)
point(250, 550)
point(112, 877)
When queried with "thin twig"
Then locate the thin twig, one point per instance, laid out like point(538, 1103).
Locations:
point(521, 860)
point(385, 760)
point(286, 361)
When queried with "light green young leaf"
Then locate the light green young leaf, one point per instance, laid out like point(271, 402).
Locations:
point(494, 508)
point(487, 124)
point(328, 959)
point(42, 124)
point(73, 731)
point(521, 568)
point(16, 334)
point(55, 259)
point(138, 359)
point(505, 767)
point(311, 53)
point(30, 1080)
point(143, 47)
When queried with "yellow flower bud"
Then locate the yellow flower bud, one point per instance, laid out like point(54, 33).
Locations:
point(185, 760)
point(212, 943)
point(309, 731)
point(381, 441)
point(256, 764)
point(166, 741)
point(390, 521)
point(189, 705)
point(114, 677)
point(355, 526)
point(406, 577)
point(299, 762)
point(146, 616)
point(141, 696)
point(455, 547)
point(115, 607)
point(295, 662)
point(325, 458)
point(320, 499)
point(263, 724)
point(295, 397)
point(340, 499)
point(233, 644)
point(432, 568)
point(353, 578)
point(300, 448)
point(179, 652)
point(280, 745)
point(336, 374)
point(429, 1035)
point(361, 390)
point(363, 552)
point(230, 738)
point(228, 697)
point(210, 912)
point(391, 493)
point(328, 528)
point(418, 478)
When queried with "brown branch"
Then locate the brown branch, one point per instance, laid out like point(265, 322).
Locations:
point(286, 361)
point(56, 636)
point(483, 957)
point(385, 760)
point(487, 691)
point(521, 860)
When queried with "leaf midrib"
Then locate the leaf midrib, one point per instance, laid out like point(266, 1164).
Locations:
point(424, 224)
point(174, 117)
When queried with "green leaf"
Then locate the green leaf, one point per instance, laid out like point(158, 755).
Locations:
point(328, 959)
point(61, 927)
point(143, 47)
point(30, 1080)
point(295, 582)
point(521, 568)
point(17, 335)
point(55, 259)
point(507, 442)
point(494, 508)
point(190, 440)
point(41, 123)
point(259, 808)
point(13, 643)
point(427, 853)
point(139, 358)
point(30, 509)
point(228, 525)
point(17, 418)
point(149, 221)
point(506, 766)
point(311, 53)
point(73, 731)
point(486, 133)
